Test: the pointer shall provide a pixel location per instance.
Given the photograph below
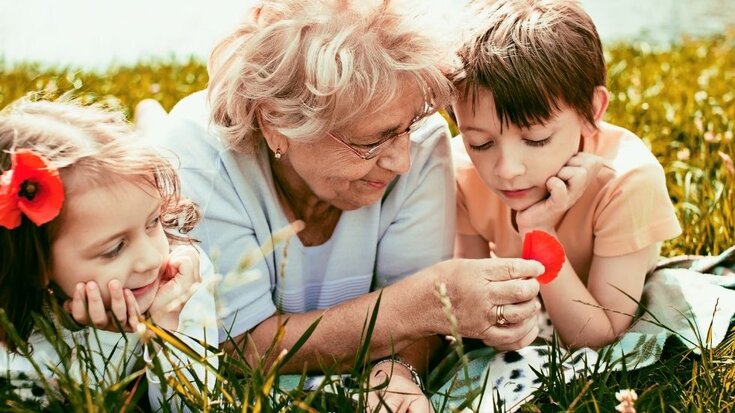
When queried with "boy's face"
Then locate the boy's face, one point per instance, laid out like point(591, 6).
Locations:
point(516, 163)
point(111, 232)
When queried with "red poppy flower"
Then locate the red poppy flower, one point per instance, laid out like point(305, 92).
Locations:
point(544, 248)
point(31, 188)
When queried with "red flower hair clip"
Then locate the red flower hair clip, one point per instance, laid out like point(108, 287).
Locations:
point(30, 188)
point(544, 248)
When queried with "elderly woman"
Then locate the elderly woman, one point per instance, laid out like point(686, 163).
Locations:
point(324, 112)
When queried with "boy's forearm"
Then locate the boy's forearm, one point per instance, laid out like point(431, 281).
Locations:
point(575, 313)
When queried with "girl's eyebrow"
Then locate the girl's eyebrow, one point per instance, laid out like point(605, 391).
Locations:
point(103, 242)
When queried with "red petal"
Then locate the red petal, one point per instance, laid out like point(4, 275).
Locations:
point(46, 204)
point(9, 212)
point(544, 248)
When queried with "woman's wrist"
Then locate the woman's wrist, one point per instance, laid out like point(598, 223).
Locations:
point(430, 320)
point(396, 365)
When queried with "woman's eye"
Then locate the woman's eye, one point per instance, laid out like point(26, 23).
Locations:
point(484, 146)
point(542, 142)
point(114, 252)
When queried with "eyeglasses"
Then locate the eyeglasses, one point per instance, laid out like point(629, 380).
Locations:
point(367, 152)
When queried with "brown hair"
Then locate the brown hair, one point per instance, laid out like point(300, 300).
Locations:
point(311, 66)
point(90, 147)
point(533, 56)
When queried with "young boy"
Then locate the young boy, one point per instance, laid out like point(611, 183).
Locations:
point(537, 155)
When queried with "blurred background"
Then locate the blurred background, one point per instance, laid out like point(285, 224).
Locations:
point(671, 73)
point(92, 34)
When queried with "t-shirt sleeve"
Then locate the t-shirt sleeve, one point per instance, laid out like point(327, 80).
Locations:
point(635, 211)
point(226, 231)
point(464, 173)
point(421, 229)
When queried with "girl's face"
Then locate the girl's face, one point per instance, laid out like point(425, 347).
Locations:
point(111, 232)
point(516, 162)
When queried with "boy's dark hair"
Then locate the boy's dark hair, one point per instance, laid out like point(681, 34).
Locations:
point(533, 56)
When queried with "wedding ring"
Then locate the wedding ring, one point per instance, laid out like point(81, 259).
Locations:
point(499, 317)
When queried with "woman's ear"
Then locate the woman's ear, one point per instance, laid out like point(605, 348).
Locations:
point(277, 143)
point(600, 100)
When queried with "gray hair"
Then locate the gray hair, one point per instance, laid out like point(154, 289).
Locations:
point(310, 66)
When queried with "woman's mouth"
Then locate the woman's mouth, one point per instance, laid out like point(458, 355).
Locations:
point(375, 184)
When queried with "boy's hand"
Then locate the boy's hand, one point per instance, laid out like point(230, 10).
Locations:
point(178, 282)
point(565, 189)
point(87, 307)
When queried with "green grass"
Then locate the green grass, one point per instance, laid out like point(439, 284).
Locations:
point(681, 101)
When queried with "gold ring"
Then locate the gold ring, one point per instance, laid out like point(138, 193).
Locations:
point(499, 316)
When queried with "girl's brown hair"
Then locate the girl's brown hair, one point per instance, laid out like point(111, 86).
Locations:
point(90, 147)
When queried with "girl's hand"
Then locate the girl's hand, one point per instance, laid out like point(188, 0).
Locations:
point(400, 394)
point(88, 308)
point(565, 189)
point(178, 282)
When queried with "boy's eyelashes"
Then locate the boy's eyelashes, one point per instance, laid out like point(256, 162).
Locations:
point(530, 142)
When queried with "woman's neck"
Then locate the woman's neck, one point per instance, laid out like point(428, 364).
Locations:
point(300, 203)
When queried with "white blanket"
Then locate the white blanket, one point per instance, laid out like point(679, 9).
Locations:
point(691, 298)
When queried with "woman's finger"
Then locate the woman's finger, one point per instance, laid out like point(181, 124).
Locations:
point(518, 312)
point(508, 336)
point(501, 269)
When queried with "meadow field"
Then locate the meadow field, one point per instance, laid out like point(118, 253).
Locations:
point(680, 100)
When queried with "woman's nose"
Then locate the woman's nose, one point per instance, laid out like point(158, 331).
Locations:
point(397, 157)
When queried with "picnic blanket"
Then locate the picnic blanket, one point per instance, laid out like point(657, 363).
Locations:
point(691, 298)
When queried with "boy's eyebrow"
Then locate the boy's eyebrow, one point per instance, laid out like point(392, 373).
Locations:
point(471, 128)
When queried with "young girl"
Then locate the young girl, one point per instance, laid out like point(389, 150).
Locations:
point(537, 155)
point(87, 212)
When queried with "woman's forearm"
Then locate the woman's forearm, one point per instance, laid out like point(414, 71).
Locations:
point(340, 330)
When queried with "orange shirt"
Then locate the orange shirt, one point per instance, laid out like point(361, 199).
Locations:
point(624, 210)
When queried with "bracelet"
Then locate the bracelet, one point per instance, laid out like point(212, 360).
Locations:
point(397, 360)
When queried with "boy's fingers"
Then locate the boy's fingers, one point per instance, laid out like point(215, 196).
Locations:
point(558, 193)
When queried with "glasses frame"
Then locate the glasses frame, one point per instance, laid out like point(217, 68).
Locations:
point(374, 151)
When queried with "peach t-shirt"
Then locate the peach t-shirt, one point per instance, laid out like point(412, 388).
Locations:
point(624, 210)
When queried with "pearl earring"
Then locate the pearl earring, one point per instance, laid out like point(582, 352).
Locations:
point(278, 154)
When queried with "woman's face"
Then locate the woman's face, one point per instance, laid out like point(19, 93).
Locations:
point(340, 177)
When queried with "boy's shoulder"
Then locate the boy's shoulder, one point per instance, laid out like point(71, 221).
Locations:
point(622, 150)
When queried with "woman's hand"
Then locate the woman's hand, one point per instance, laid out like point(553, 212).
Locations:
point(477, 288)
point(178, 282)
point(565, 189)
point(87, 307)
point(396, 390)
